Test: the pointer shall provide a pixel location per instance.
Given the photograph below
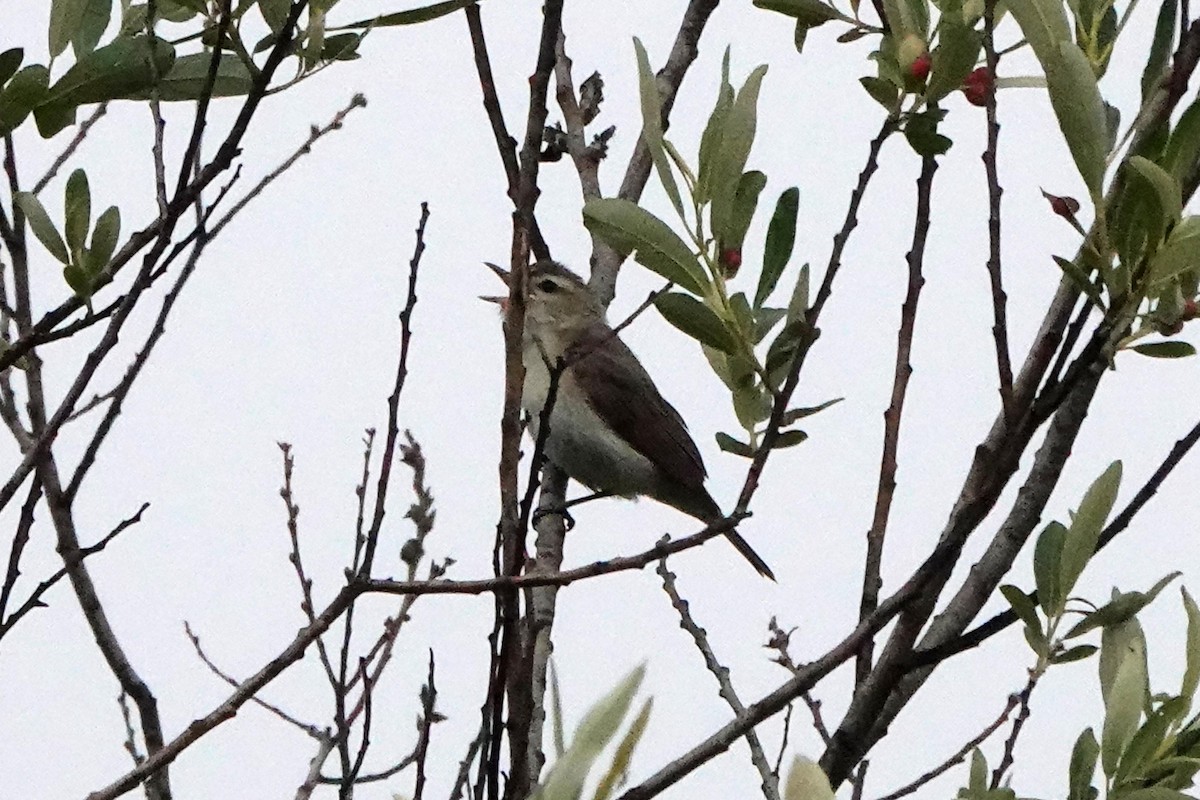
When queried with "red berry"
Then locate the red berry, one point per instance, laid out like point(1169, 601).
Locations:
point(731, 260)
point(977, 85)
point(919, 69)
point(1066, 207)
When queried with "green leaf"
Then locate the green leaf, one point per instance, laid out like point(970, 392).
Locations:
point(1080, 541)
point(1160, 48)
point(1148, 739)
point(732, 445)
point(1044, 24)
point(789, 439)
point(806, 780)
point(411, 17)
point(341, 47)
point(96, 14)
point(799, 36)
point(783, 350)
point(78, 212)
point(624, 754)
point(882, 91)
point(1116, 643)
point(1121, 609)
point(1081, 279)
point(714, 132)
point(1165, 187)
point(1123, 711)
point(796, 414)
point(752, 405)
point(1191, 674)
point(274, 13)
point(21, 95)
point(41, 225)
point(1182, 152)
point(600, 724)
point(1047, 566)
point(1079, 108)
point(809, 13)
point(977, 779)
point(10, 62)
point(766, 319)
point(745, 201)
point(181, 10)
point(696, 320)
point(1083, 766)
point(652, 132)
point(907, 18)
point(1166, 349)
point(1076, 653)
point(120, 69)
point(1023, 606)
point(781, 238)
point(65, 18)
point(555, 714)
point(628, 228)
point(189, 75)
point(922, 134)
point(955, 55)
point(798, 304)
point(1179, 254)
point(104, 239)
point(736, 140)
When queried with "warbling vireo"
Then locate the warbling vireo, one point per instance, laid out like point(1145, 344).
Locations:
point(610, 428)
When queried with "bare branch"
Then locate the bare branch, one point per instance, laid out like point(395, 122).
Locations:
point(872, 569)
point(307, 728)
point(770, 780)
point(84, 128)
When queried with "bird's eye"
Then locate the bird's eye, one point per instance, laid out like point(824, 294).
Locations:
point(548, 286)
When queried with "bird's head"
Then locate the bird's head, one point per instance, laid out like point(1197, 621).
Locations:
point(559, 302)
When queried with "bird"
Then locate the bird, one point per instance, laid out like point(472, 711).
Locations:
point(610, 427)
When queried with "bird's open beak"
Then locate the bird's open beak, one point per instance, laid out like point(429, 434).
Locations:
point(502, 274)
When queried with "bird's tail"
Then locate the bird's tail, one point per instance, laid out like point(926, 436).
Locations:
point(748, 553)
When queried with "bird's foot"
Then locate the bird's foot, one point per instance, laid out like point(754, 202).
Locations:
point(557, 510)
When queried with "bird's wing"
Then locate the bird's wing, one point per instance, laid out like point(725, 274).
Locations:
point(622, 393)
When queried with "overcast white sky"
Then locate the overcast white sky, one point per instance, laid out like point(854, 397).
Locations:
point(288, 333)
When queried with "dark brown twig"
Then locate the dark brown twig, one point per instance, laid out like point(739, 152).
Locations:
point(35, 598)
point(994, 264)
point(506, 145)
point(1010, 744)
point(873, 566)
point(812, 315)
point(20, 539)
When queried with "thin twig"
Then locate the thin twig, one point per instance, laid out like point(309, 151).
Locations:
point(307, 728)
point(315, 134)
point(35, 598)
point(297, 562)
point(885, 492)
point(994, 268)
point(20, 539)
point(770, 780)
point(84, 128)
point(1010, 744)
point(506, 145)
point(958, 757)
